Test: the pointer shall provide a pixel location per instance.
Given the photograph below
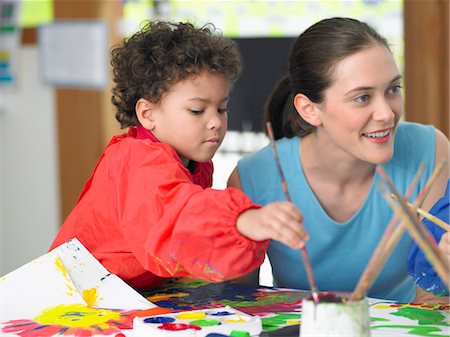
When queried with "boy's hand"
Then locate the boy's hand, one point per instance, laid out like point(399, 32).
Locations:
point(281, 221)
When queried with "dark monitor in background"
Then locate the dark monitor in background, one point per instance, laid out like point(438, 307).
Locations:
point(264, 63)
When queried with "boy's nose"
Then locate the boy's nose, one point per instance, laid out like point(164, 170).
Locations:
point(215, 122)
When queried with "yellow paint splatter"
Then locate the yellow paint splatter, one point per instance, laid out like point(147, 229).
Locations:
point(62, 269)
point(383, 306)
point(292, 321)
point(165, 297)
point(60, 266)
point(90, 296)
point(238, 319)
point(191, 315)
point(77, 316)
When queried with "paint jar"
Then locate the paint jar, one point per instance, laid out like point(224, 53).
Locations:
point(335, 316)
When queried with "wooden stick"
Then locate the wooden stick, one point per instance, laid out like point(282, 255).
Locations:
point(416, 228)
point(304, 253)
point(391, 236)
point(445, 226)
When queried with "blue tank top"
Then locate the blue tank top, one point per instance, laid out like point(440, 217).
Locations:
point(339, 252)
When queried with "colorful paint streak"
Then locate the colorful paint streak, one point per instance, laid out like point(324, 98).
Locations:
point(415, 330)
point(422, 316)
point(428, 319)
point(77, 320)
point(275, 322)
point(196, 295)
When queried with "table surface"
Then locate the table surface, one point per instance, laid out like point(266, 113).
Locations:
point(277, 308)
point(280, 307)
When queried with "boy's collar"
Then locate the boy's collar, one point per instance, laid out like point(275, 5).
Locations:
point(143, 133)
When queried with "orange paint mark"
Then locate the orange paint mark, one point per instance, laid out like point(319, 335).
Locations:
point(90, 296)
point(153, 312)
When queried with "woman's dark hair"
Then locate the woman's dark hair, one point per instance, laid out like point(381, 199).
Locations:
point(160, 55)
point(312, 58)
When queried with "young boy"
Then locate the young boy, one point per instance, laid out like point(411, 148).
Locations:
point(148, 211)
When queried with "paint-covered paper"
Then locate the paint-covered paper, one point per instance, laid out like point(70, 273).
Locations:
point(63, 290)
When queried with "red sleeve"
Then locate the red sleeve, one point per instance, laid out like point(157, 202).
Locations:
point(175, 227)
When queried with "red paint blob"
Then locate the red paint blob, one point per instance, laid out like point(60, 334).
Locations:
point(330, 297)
point(178, 326)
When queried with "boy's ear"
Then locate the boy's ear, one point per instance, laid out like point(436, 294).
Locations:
point(145, 111)
point(307, 109)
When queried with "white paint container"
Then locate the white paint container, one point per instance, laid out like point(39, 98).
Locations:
point(346, 319)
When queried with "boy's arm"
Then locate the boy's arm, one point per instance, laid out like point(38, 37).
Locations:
point(177, 228)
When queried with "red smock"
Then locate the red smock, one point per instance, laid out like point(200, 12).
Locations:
point(145, 217)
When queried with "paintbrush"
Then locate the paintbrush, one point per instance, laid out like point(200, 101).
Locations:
point(445, 226)
point(391, 236)
point(304, 253)
point(416, 229)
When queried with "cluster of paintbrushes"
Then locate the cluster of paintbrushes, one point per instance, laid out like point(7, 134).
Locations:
point(405, 213)
point(405, 218)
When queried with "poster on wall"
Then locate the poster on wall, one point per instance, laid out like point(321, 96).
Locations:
point(74, 53)
point(9, 42)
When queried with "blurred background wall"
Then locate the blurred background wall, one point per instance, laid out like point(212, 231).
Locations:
point(52, 134)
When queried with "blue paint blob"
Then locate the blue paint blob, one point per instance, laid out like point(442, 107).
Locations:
point(159, 319)
point(216, 335)
point(222, 313)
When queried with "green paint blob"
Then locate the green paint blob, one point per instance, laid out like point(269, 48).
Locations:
point(379, 319)
point(266, 300)
point(205, 322)
point(423, 316)
point(270, 327)
point(279, 319)
point(414, 330)
point(238, 333)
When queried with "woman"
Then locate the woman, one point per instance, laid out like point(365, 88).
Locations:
point(336, 116)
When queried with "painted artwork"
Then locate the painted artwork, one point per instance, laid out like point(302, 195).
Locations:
point(67, 292)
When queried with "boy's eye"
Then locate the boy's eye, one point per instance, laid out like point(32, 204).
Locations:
point(196, 111)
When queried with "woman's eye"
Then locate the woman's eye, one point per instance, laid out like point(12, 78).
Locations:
point(222, 110)
point(362, 98)
point(396, 89)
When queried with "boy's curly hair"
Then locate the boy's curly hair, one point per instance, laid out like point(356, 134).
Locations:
point(160, 55)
